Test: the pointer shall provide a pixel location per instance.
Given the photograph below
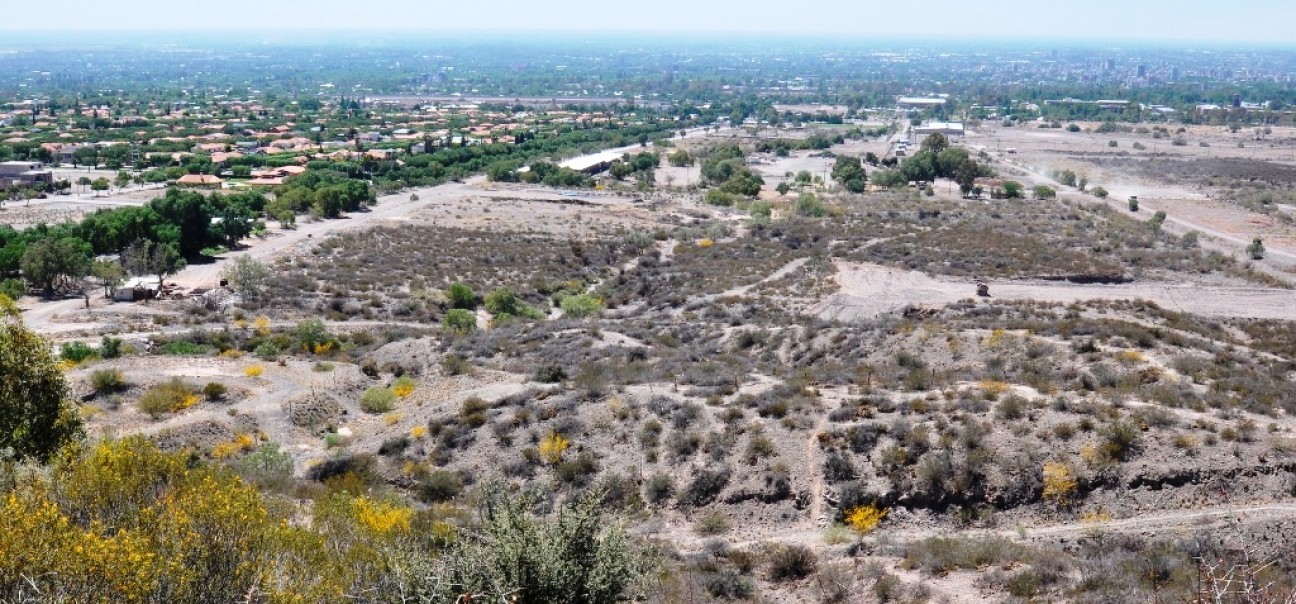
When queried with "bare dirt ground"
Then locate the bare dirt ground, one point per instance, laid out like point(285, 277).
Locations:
point(863, 291)
point(871, 290)
point(1040, 152)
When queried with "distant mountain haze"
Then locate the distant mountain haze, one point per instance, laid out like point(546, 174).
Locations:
point(1255, 21)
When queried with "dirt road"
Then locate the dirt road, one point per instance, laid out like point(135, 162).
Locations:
point(869, 290)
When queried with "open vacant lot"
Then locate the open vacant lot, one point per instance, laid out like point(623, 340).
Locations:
point(749, 387)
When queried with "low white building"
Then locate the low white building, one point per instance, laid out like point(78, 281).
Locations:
point(946, 128)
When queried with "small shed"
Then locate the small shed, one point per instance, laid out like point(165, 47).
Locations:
point(135, 290)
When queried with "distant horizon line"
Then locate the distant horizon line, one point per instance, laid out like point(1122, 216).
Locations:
point(603, 35)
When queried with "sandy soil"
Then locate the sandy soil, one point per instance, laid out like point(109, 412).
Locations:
point(1188, 207)
point(870, 290)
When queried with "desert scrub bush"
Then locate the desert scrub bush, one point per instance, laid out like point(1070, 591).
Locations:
point(758, 448)
point(172, 396)
point(711, 524)
point(1011, 408)
point(240, 444)
point(107, 381)
point(705, 487)
point(472, 411)
point(214, 391)
point(725, 584)
point(791, 563)
point(459, 321)
point(837, 468)
point(938, 556)
point(403, 387)
point(110, 348)
point(453, 364)
point(992, 389)
point(865, 519)
point(268, 467)
point(550, 374)
point(581, 306)
point(1119, 440)
point(254, 370)
point(378, 400)
point(461, 296)
point(439, 486)
point(76, 352)
point(313, 336)
point(659, 488)
point(394, 446)
point(1256, 250)
point(577, 555)
point(552, 448)
point(267, 351)
point(577, 472)
point(1059, 483)
point(504, 305)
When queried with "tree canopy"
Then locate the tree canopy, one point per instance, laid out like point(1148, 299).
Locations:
point(37, 416)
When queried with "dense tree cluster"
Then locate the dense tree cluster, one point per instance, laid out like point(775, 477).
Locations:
point(726, 169)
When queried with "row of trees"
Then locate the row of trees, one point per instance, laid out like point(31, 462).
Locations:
point(152, 239)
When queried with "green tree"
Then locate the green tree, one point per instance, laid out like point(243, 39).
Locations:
point(849, 172)
point(49, 263)
point(1012, 189)
point(891, 179)
point(99, 184)
point(13, 288)
point(121, 180)
point(110, 274)
point(36, 415)
point(965, 175)
point(247, 276)
point(920, 168)
point(1043, 192)
point(935, 143)
point(680, 158)
point(949, 160)
point(144, 257)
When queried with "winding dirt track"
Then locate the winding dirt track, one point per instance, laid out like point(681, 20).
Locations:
point(869, 290)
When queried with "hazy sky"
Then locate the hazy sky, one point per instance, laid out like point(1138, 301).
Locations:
point(1205, 20)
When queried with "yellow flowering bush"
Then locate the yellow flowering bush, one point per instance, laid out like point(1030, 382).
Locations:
point(552, 447)
point(865, 518)
point(254, 371)
point(172, 396)
point(993, 389)
point(381, 517)
point(241, 443)
point(403, 386)
point(1059, 483)
point(262, 326)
